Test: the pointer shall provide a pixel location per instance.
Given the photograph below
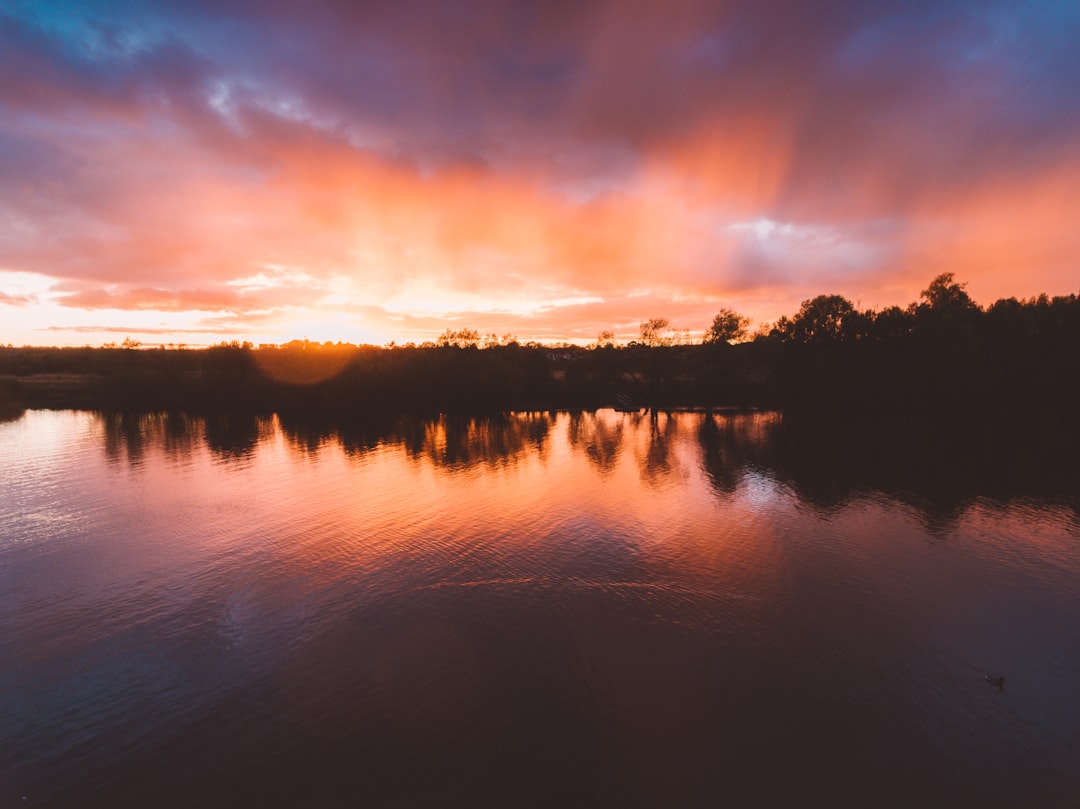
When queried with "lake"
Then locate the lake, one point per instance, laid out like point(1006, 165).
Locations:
point(535, 609)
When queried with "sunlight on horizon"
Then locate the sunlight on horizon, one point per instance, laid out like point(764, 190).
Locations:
point(519, 179)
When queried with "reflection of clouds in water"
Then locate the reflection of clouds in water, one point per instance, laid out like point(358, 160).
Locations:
point(760, 492)
point(289, 609)
point(237, 612)
point(252, 617)
point(576, 582)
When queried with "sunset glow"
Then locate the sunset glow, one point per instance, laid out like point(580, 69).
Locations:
point(196, 172)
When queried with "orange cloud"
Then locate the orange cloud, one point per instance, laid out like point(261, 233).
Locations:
point(1010, 236)
point(15, 300)
point(579, 167)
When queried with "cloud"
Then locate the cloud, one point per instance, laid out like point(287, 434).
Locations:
point(185, 300)
point(15, 300)
point(130, 329)
point(483, 157)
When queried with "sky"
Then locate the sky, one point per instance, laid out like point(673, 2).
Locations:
point(186, 171)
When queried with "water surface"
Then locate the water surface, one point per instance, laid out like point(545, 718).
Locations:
point(593, 609)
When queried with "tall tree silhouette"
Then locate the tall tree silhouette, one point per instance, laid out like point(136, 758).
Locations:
point(822, 319)
point(727, 327)
point(652, 331)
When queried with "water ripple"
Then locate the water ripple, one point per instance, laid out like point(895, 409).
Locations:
point(553, 600)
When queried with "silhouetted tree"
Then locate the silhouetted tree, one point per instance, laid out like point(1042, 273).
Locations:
point(891, 323)
point(727, 327)
point(947, 328)
point(822, 319)
point(942, 357)
point(944, 293)
point(462, 338)
point(652, 331)
point(783, 330)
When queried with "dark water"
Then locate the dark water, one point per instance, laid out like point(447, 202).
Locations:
point(535, 610)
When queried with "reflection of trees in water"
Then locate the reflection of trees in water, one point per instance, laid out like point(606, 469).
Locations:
point(308, 433)
point(11, 406)
point(127, 436)
point(658, 462)
point(732, 443)
point(236, 435)
point(445, 441)
point(489, 441)
point(123, 436)
point(938, 471)
point(311, 433)
point(599, 435)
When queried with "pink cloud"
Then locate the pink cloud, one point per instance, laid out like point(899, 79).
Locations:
point(162, 300)
point(15, 300)
point(510, 164)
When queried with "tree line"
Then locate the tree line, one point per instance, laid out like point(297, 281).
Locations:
point(943, 353)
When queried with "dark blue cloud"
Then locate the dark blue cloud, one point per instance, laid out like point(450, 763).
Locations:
point(619, 72)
